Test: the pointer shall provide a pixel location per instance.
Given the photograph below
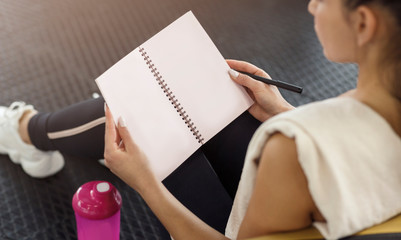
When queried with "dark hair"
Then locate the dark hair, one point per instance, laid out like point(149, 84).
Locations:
point(392, 58)
point(394, 6)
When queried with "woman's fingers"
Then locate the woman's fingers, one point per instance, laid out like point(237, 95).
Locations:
point(117, 138)
point(246, 67)
point(245, 81)
point(111, 139)
point(129, 144)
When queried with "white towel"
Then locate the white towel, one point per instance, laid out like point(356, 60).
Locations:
point(351, 158)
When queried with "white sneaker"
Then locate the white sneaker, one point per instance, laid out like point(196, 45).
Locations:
point(36, 163)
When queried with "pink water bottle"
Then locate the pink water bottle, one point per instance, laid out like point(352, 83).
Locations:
point(97, 207)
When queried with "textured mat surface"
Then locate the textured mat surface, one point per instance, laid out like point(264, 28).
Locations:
point(51, 52)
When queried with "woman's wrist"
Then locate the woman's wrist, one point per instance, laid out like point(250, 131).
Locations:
point(281, 109)
point(287, 107)
point(147, 183)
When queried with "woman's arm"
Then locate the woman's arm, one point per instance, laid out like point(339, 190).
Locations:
point(126, 160)
point(281, 200)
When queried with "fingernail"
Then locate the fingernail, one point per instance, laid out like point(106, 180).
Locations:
point(121, 122)
point(105, 106)
point(233, 73)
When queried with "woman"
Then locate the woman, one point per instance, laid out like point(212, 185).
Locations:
point(334, 164)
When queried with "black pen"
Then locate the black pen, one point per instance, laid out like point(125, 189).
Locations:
point(278, 83)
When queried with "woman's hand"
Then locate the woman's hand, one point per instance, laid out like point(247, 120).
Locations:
point(123, 157)
point(268, 100)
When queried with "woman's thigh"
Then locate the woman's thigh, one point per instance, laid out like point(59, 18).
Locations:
point(226, 151)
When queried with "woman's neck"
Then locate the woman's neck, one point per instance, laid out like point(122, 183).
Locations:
point(375, 91)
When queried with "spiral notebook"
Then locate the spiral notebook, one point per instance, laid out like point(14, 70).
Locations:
point(174, 92)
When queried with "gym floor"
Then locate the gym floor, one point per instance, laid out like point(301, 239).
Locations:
point(52, 51)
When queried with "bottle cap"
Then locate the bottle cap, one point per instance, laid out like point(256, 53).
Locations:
point(96, 200)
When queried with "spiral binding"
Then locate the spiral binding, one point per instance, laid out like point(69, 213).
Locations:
point(171, 97)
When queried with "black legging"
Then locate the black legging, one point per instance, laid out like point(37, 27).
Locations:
point(78, 130)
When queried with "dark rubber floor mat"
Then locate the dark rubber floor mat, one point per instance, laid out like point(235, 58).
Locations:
point(51, 52)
